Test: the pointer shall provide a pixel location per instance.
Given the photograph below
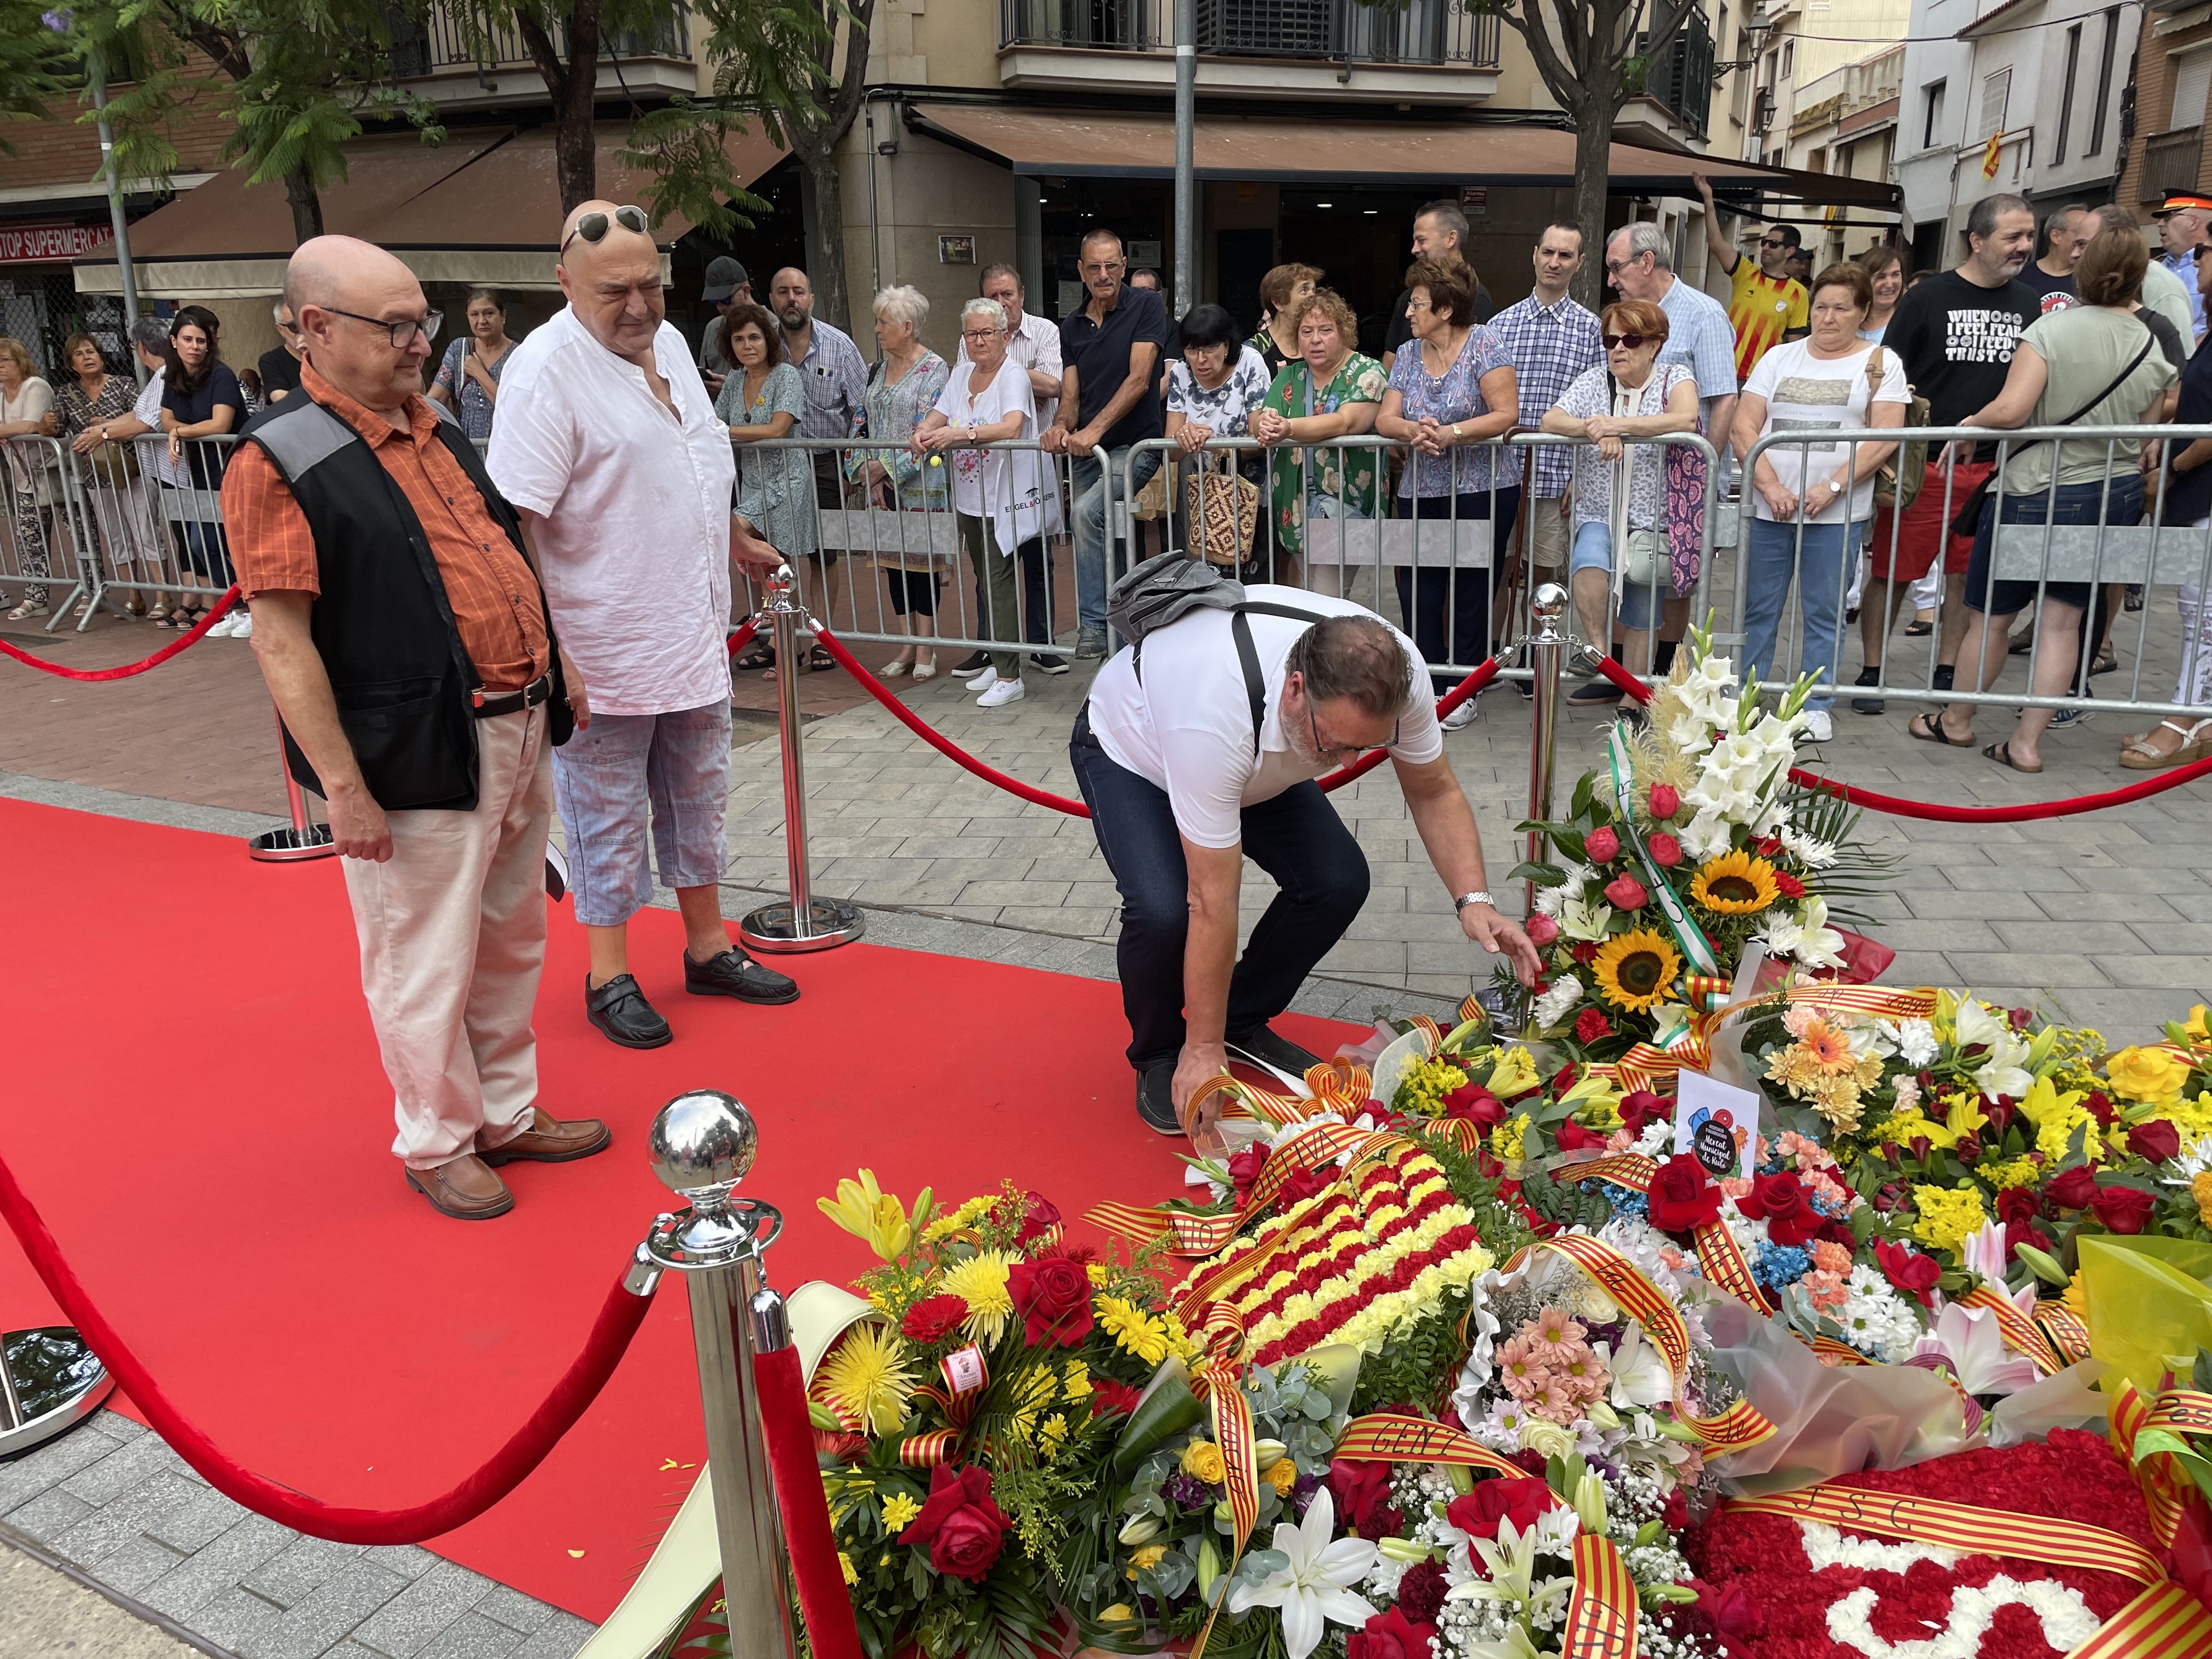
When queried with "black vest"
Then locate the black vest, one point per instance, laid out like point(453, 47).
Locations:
point(402, 683)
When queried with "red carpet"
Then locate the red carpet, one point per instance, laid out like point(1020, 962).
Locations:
point(194, 1101)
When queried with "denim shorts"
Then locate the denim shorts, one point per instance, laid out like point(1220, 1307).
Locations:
point(604, 780)
point(1639, 604)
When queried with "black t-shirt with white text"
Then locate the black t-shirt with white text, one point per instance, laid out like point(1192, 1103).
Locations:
point(1955, 339)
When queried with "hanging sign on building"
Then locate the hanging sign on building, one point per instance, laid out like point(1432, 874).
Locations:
point(32, 245)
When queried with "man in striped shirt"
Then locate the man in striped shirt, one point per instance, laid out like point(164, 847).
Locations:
point(1766, 304)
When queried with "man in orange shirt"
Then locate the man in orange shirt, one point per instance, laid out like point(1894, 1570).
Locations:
point(1766, 304)
point(402, 632)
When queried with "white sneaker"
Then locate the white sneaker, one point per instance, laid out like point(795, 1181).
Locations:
point(222, 630)
point(1460, 717)
point(1818, 726)
point(986, 680)
point(242, 627)
point(1004, 692)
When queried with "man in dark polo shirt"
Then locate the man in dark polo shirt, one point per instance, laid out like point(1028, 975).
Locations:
point(1108, 352)
point(280, 364)
point(403, 634)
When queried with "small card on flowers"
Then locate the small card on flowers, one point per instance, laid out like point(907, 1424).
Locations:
point(1716, 1123)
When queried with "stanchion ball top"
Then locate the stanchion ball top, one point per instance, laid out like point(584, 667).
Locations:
point(703, 1139)
point(1548, 603)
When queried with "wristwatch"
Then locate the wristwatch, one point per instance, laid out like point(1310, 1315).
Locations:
point(1834, 488)
point(1481, 896)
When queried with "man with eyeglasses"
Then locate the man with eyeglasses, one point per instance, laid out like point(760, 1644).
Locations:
point(609, 445)
point(1201, 745)
point(405, 639)
point(1766, 304)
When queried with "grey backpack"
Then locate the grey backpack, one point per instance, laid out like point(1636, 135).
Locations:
point(1169, 586)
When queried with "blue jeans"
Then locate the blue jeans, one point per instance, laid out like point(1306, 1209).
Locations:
point(2114, 500)
point(1821, 566)
point(1297, 838)
point(607, 776)
point(1090, 487)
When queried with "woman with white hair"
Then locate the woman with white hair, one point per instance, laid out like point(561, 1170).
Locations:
point(1005, 498)
point(902, 388)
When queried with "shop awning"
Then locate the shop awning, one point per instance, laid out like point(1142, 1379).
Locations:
point(483, 207)
point(1115, 144)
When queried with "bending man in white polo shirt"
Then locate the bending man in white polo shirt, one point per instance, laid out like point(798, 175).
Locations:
point(1180, 792)
point(608, 445)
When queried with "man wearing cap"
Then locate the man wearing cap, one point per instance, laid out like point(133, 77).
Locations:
point(2181, 224)
point(727, 285)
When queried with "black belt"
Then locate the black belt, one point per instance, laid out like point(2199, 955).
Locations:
point(511, 702)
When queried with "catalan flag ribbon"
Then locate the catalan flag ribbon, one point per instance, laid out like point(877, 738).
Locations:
point(1219, 1379)
point(1990, 155)
point(1396, 1437)
point(1602, 1614)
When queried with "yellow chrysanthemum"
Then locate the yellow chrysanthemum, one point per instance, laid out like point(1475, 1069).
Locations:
point(2200, 1188)
point(954, 1221)
point(2151, 1074)
point(981, 1282)
point(845, 1567)
point(1134, 1330)
point(1947, 1216)
point(899, 1511)
point(1636, 970)
point(868, 1376)
point(1508, 1139)
point(1098, 1272)
point(1734, 884)
point(2011, 1172)
point(2074, 1298)
point(1078, 1385)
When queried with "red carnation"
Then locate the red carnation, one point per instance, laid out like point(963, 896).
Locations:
point(1053, 1296)
point(1625, 892)
point(1683, 1198)
point(1910, 1270)
point(1573, 1138)
point(1666, 852)
point(1541, 929)
point(1639, 1106)
point(961, 1526)
point(931, 1322)
point(1788, 885)
point(1767, 846)
point(1665, 801)
point(1584, 951)
point(2123, 1209)
point(1421, 1591)
point(1475, 1104)
point(1112, 1399)
point(1590, 1025)
point(2155, 1140)
point(1786, 1207)
point(1043, 1215)
point(1390, 1635)
point(2072, 1189)
point(1361, 1492)
point(1601, 845)
point(1521, 1501)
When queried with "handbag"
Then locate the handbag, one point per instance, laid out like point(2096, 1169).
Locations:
point(1897, 481)
point(1223, 509)
point(1639, 563)
point(1152, 501)
point(1969, 517)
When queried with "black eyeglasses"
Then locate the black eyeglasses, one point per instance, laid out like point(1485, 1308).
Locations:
point(1322, 751)
point(592, 226)
point(403, 331)
point(1631, 340)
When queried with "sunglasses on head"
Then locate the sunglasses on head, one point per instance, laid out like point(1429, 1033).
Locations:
point(1630, 341)
point(592, 226)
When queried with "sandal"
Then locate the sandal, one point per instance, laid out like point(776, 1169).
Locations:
point(1918, 630)
point(2001, 754)
point(895, 670)
point(924, 671)
point(1932, 731)
point(26, 609)
point(818, 658)
point(760, 655)
point(2107, 663)
point(2138, 755)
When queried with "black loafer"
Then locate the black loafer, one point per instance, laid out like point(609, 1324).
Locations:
point(1045, 664)
point(1868, 705)
point(1156, 1098)
point(1594, 693)
point(619, 1009)
point(1262, 1047)
point(734, 974)
point(973, 661)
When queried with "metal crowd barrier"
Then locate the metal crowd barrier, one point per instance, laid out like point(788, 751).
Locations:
point(2078, 578)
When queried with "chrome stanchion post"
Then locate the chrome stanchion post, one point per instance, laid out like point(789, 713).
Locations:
point(49, 1379)
point(1547, 649)
point(803, 922)
point(304, 840)
point(703, 1144)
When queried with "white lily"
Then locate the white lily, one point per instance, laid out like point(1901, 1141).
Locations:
point(1315, 1587)
point(1581, 920)
point(1805, 936)
point(1639, 1375)
point(1967, 1338)
point(1510, 1561)
point(2003, 1070)
point(1983, 1252)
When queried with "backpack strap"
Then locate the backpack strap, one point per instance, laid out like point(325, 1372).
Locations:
point(1248, 657)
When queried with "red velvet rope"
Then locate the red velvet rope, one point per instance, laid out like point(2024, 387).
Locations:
point(744, 636)
point(198, 631)
point(831, 1630)
point(1902, 808)
point(619, 1318)
point(1482, 674)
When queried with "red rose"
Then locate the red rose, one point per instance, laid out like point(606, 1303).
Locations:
point(2025, 1232)
point(1390, 1635)
point(2156, 1140)
point(1361, 1492)
point(1601, 845)
point(931, 1322)
point(1665, 801)
point(1541, 929)
point(1788, 885)
point(1590, 1025)
point(961, 1526)
point(2017, 1204)
point(1043, 1215)
point(2123, 1209)
point(1112, 1399)
point(1244, 1168)
point(1639, 1106)
point(1476, 1105)
point(2101, 1107)
point(1573, 1138)
point(1734, 1614)
point(1304, 1185)
point(1053, 1296)
point(2072, 1189)
point(1910, 1270)
point(1682, 1197)
point(1584, 951)
point(1767, 847)
point(1625, 892)
point(1785, 1205)
point(1666, 852)
point(1520, 1501)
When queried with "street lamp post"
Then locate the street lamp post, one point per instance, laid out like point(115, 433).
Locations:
point(1186, 165)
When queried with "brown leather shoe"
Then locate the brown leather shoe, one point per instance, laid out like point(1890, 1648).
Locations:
point(462, 1189)
point(549, 1140)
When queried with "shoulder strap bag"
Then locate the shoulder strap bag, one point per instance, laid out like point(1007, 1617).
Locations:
point(1897, 481)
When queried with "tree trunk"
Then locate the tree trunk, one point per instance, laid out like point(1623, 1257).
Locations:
point(1593, 158)
point(307, 204)
point(825, 232)
point(573, 87)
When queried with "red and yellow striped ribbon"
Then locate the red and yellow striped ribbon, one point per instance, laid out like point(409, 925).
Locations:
point(1429, 1029)
point(1396, 1438)
point(1602, 1614)
point(1245, 1100)
point(2018, 1330)
point(2068, 1333)
point(2164, 1622)
point(1648, 1064)
point(1718, 1254)
point(926, 1451)
point(1218, 1379)
point(958, 1404)
point(1963, 1526)
point(2168, 1489)
point(1186, 1234)
point(1742, 1425)
point(1833, 1352)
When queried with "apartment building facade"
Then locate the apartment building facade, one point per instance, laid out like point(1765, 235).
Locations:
point(1843, 125)
point(2173, 72)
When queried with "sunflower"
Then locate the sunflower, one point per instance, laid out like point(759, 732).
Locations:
point(1636, 969)
point(1735, 884)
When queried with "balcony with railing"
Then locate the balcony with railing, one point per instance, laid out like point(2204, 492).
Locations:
point(1679, 76)
point(460, 58)
point(1252, 45)
point(2171, 163)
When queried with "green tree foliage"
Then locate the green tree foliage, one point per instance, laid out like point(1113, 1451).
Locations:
point(34, 66)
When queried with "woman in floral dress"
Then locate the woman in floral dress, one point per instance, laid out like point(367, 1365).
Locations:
point(1331, 391)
